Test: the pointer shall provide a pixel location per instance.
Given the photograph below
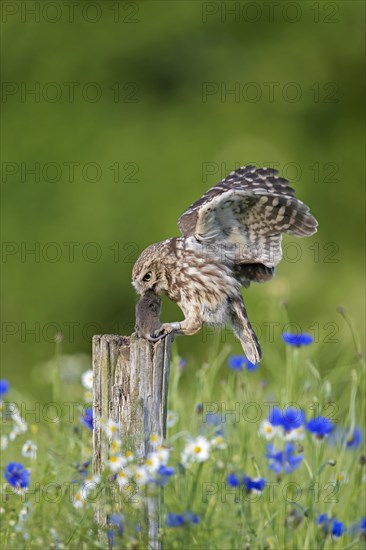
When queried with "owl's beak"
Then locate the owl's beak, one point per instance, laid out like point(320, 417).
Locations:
point(141, 289)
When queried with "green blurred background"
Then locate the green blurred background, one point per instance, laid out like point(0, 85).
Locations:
point(137, 109)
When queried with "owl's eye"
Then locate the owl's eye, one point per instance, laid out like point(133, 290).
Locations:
point(147, 276)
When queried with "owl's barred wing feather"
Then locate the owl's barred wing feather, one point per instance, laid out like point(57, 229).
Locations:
point(246, 213)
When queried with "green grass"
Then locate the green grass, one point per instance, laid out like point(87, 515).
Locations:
point(330, 478)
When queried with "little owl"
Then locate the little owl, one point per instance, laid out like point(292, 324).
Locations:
point(231, 236)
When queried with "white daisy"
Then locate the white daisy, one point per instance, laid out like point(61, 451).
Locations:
point(16, 431)
point(111, 428)
point(29, 449)
point(171, 418)
point(90, 484)
point(163, 455)
point(196, 450)
point(87, 379)
point(267, 430)
point(116, 462)
point(19, 425)
point(219, 442)
point(340, 478)
point(129, 456)
point(115, 446)
point(141, 476)
point(152, 463)
point(155, 440)
point(79, 500)
point(123, 477)
point(295, 434)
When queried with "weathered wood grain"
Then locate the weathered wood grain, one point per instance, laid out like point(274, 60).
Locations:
point(130, 378)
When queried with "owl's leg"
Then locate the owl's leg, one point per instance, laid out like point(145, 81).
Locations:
point(244, 331)
point(187, 326)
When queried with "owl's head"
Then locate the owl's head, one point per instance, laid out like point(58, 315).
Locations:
point(149, 271)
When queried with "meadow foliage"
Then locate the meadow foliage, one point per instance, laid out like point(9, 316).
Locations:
point(266, 456)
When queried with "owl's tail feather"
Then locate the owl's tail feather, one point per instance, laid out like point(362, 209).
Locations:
point(244, 332)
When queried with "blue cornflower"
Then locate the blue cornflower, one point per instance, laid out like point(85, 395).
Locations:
point(174, 520)
point(323, 519)
point(115, 521)
point(359, 527)
point(166, 470)
point(163, 475)
point(320, 426)
point(191, 518)
point(250, 484)
point(213, 419)
point(251, 366)
point(87, 418)
point(4, 387)
point(275, 417)
point(233, 480)
point(292, 418)
point(297, 340)
point(353, 440)
point(289, 419)
point(238, 362)
point(335, 527)
point(254, 484)
point(177, 520)
point(182, 363)
point(17, 475)
point(82, 467)
point(338, 528)
point(283, 461)
point(346, 438)
point(216, 420)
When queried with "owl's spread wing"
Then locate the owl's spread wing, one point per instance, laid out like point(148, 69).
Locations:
point(246, 213)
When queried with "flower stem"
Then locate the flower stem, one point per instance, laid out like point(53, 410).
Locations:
point(194, 487)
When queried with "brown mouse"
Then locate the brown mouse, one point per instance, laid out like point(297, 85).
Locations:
point(148, 316)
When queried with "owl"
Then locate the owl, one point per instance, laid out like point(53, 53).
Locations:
point(230, 237)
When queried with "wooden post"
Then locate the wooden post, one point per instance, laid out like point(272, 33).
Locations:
point(130, 383)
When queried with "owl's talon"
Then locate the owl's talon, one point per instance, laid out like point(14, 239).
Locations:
point(164, 330)
point(156, 336)
point(159, 334)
